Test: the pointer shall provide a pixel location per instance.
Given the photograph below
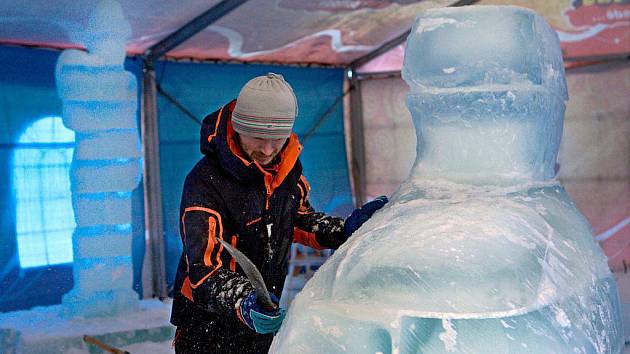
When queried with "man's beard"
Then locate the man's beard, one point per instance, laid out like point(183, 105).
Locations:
point(269, 159)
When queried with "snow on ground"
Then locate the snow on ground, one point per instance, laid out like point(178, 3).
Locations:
point(42, 322)
point(150, 348)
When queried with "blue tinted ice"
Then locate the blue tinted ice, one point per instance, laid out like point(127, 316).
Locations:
point(100, 103)
point(481, 250)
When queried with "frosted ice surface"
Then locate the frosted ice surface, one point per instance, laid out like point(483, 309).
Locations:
point(113, 209)
point(100, 104)
point(480, 250)
point(107, 32)
point(495, 46)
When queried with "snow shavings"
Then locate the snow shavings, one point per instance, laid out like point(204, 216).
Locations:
point(449, 336)
point(561, 317)
point(228, 289)
point(431, 24)
point(330, 330)
point(150, 347)
point(333, 332)
point(505, 324)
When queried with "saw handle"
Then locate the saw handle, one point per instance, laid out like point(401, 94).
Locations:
point(103, 346)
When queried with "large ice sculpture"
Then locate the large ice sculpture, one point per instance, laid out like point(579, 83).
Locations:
point(100, 103)
point(481, 250)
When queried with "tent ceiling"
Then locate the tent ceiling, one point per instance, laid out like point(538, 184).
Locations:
point(329, 32)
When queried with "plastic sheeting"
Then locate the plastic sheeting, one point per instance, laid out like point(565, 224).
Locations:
point(279, 31)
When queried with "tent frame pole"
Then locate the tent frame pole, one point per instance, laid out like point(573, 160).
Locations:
point(153, 212)
point(357, 161)
point(155, 264)
point(193, 27)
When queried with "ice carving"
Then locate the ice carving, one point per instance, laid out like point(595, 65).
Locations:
point(481, 250)
point(100, 103)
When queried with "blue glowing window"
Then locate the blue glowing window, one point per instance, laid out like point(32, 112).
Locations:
point(45, 219)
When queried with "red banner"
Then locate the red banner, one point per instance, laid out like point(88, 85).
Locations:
point(600, 28)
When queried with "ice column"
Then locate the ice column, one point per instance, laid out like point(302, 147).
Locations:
point(99, 104)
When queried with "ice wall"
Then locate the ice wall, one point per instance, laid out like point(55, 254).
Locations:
point(100, 103)
point(481, 250)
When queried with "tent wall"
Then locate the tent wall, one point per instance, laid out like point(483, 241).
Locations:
point(594, 155)
point(204, 88)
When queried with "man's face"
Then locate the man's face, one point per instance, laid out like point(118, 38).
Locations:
point(261, 150)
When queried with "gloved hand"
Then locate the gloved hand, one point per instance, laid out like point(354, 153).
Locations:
point(362, 214)
point(259, 318)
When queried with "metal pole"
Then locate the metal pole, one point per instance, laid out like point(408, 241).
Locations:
point(357, 141)
point(156, 267)
point(153, 214)
point(193, 27)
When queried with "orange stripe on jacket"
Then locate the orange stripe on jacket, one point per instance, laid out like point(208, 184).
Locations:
point(306, 238)
point(234, 147)
point(213, 222)
point(308, 186)
point(211, 232)
point(216, 127)
point(186, 289)
point(302, 193)
point(233, 261)
point(304, 188)
point(253, 221)
point(194, 286)
point(288, 157)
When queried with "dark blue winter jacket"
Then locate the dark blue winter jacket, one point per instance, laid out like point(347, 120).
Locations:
point(259, 211)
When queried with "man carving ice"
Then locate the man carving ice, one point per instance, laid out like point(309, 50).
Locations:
point(247, 190)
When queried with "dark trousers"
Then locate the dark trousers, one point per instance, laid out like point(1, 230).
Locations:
point(209, 340)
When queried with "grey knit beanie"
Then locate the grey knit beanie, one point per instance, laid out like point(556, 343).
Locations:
point(266, 108)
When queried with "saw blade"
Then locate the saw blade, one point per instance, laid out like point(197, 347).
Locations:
point(252, 273)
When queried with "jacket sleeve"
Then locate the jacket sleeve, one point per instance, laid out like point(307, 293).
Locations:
point(316, 229)
point(210, 283)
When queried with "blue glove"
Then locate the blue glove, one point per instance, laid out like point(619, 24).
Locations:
point(259, 318)
point(362, 214)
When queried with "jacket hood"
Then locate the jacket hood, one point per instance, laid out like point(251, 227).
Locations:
point(217, 141)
